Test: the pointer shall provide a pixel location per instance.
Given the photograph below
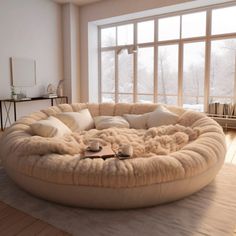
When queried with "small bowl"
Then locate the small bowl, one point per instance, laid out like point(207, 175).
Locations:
point(91, 150)
point(122, 156)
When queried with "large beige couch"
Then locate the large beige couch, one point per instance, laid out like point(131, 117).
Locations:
point(114, 183)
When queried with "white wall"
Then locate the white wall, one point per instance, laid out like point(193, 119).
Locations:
point(31, 29)
point(70, 16)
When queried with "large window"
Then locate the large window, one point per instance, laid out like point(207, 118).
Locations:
point(187, 59)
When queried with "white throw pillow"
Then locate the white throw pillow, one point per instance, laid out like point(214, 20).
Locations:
point(105, 122)
point(137, 121)
point(51, 127)
point(161, 116)
point(77, 121)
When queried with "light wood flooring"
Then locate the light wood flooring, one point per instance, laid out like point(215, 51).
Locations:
point(230, 136)
point(15, 222)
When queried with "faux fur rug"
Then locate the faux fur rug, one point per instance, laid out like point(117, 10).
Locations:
point(212, 211)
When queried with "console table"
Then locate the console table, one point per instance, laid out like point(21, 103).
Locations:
point(7, 103)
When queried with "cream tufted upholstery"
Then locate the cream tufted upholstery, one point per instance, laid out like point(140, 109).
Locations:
point(113, 183)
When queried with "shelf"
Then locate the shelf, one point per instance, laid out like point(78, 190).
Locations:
point(6, 103)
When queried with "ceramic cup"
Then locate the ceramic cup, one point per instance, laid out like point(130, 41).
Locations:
point(127, 149)
point(94, 145)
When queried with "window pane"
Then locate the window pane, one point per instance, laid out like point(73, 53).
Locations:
point(145, 70)
point(223, 65)
point(194, 25)
point(125, 72)
point(108, 37)
point(223, 20)
point(167, 72)
point(108, 71)
point(126, 98)
point(169, 28)
point(108, 97)
point(146, 31)
point(125, 34)
point(172, 100)
point(193, 73)
point(221, 99)
point(190, 103)
point(145, 98)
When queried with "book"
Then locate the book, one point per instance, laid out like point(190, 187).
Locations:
point(50, 95)
point(25, 99)
point(104, 152)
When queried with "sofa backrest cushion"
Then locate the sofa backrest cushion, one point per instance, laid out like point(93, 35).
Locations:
point(137, 121)
point(161, 116)
point(77, 121)
point(105, 122)
point(50, 127)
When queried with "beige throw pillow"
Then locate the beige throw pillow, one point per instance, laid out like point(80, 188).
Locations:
point(161, 116)
point(137, 121)
point(77, 121)
point(51, 127)
point(105, 122)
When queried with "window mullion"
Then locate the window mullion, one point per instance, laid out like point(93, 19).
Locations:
point(180, 74)
point(155, 61)
point(180, 68)
point(116, 77)
point(135, 65)
point(234, 76)
point(99, 67)
point(116, 68)
point(207, 60)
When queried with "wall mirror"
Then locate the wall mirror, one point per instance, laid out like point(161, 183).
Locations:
point(23, 71)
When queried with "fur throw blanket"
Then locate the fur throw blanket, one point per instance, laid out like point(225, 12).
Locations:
point(154, 141)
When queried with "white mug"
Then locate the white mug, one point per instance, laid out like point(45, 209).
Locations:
point(94, 145)
point(127, 149)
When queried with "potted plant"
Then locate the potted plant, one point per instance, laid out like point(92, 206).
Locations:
point(13, 93)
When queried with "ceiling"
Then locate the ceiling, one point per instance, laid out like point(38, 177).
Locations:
point(78, 2)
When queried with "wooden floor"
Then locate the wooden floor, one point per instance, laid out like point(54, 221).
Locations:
point(15, 222)
point(230, 136)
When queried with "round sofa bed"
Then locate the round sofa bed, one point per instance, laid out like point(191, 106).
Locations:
point(143, 181)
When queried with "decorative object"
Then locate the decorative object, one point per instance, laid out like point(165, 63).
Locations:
point(14, 97)
point(22, 96)
point(94, 145)
point(193, 155)
point(23, 72)
point(132, 49)
point(89, 149)
point(51, 91)
point(60, 88)
point(103, 152)
point(127, 150)
point(13, 93)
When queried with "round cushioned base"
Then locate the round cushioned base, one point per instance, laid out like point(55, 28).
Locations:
point(112, 184)
point(115, 198)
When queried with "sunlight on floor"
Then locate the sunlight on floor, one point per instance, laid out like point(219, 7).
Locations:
point(230, 136)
